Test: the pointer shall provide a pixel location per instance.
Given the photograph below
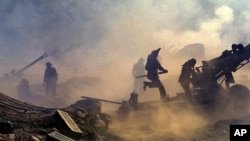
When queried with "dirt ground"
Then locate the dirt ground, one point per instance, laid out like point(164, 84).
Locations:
point(173, 125)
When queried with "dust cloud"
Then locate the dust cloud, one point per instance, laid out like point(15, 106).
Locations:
point(94, 45)
point(165, 123)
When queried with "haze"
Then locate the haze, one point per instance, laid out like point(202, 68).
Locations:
point(94, 44)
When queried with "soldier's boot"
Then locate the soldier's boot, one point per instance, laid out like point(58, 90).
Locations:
point(145, 85)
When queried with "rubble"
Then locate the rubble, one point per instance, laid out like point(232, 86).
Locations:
point(21, 121)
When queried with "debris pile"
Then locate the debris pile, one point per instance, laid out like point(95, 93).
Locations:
point(22, 121)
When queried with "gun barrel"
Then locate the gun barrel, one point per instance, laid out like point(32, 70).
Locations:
point(146, 75)
point(32, 63)
point(114, 102)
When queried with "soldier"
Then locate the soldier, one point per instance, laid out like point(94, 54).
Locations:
point(186, 74)
point(133, 100)
point(152, 67)
point(23, 90)
point(50, 79)
point(138, 69)
point(237, 48)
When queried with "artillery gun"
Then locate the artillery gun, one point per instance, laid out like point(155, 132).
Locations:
point(208, 79)
point(19, 72)
point(218, 70)
point(15, 76)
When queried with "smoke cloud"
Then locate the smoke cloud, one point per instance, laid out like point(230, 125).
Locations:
point(94, 44)
point(105, 38)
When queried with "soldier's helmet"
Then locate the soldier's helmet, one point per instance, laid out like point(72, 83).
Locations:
point(48, 64)
point(156, 52)
point(141, 60)
point(192, 61)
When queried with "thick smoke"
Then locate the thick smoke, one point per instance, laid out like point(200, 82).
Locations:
point(105, 38)
point(94, 45)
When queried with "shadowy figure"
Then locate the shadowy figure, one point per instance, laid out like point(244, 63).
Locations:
point(139, 69)
point(123, 109)
point(133, 100)
point(50, 80)
point(227, 67)
point(236, 48)
point(23, 90)
point(186, 75)
point(152, 67)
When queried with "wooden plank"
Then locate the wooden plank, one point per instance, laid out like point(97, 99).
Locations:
point(58, 136)
point(69, 121)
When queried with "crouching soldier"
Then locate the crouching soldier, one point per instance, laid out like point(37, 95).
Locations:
point(186, 76)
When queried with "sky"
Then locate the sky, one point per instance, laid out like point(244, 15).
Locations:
point(84, 36)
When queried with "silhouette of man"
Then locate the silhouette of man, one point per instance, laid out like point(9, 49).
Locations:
point(23, 90)
point(138, 69)
point(152, 67)
point(227, 67)
point(186, 74)
point(50, 80)
point(133, 100)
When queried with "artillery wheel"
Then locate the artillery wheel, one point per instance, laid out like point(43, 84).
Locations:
point(239, 99)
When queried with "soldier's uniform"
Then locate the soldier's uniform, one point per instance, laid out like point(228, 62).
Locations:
point(133, 100)
point(152, 67)
point(185, 76)
point(50, 79)
point(138, 69)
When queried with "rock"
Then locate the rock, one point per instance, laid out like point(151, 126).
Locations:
point(33, 138)
point(81, 114)
point(7, 137)
point(6, 127)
